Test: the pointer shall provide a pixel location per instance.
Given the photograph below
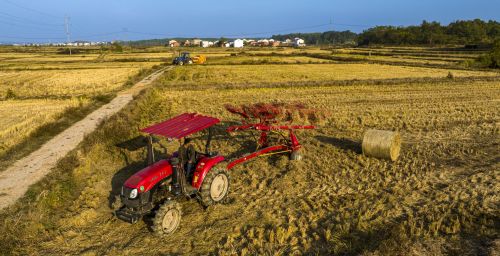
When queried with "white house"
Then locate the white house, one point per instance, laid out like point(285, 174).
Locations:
point(298, 42)
point(238, 43)
point(196, 42)
point(205, 44)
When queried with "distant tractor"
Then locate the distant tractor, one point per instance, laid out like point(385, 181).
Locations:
point(185, 58)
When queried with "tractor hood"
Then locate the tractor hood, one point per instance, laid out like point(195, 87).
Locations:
point(148, 177)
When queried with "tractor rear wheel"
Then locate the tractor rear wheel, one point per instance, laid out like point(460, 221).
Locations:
point(167, 218)
point(215, 187)
point(190, 62)
point(180, 63)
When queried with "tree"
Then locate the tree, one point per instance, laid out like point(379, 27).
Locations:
point(222, 41)
point(492, 59)
point(116, 47)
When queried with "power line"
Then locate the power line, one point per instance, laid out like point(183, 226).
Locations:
point(279, 31)
point(22, 19)
point(101, 35)
point(32, 10)
point(67, 26)
point(352, 25)
point(13, 23)
point(149, 34)
point(32, 38)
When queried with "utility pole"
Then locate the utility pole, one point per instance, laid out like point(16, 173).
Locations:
point(333, 34)
point(68, 35)
point(125, 35)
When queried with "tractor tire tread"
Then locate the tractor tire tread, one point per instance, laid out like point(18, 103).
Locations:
point(158, 218)
point(206, 199)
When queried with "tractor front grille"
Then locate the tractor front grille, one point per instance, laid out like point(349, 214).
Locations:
point(141, 199)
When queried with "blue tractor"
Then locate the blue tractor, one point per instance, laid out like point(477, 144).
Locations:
point(185, 58)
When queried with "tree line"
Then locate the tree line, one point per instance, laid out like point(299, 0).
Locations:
point(433, 33)
point(428, 33)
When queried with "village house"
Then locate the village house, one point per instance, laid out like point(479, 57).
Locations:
point(173, 43)
point(196, 42)
point(299, 42)
point(206, 44)
point(238, 43)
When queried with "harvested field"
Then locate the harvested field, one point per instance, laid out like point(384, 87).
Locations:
point(42, 92)
point(248, 60)
point(241, 75)
point(46, 83)
point(438, 198)
point(21, 117)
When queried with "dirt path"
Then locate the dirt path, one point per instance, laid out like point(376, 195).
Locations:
point(15, 181)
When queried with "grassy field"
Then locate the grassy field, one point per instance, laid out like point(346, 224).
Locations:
point(439, 198)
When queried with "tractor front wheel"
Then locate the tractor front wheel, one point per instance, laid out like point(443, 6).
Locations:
point(180, 63)
point(215, 187)
point(167, 218)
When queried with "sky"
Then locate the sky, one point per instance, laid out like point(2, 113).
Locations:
point(98, 20)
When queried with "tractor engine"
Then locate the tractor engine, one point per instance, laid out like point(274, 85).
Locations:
point(141, 190)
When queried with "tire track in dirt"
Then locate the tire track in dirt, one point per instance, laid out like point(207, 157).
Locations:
point(15, 180)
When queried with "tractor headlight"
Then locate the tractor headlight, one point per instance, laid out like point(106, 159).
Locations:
point(133, 193)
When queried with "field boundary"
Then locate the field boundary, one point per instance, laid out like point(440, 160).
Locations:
point(15, 181)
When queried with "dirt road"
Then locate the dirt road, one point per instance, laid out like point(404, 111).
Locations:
point(15, 181)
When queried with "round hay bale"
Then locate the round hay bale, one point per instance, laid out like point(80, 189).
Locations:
point(381, 144)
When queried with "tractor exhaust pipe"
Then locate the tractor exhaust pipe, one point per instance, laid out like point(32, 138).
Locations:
point(151, 154)
point(209, 140)
point(179, 178)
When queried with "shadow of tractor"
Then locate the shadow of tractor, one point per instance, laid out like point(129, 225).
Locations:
point(120, 177)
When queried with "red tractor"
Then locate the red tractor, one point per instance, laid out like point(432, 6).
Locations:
point(152, 189)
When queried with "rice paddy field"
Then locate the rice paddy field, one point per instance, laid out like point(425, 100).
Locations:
point(38, 88)
point(439, 198)
point(21, 117)
point(242, 75)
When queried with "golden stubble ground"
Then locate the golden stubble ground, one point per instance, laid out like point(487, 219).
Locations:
point(443, 187)
point(242, 75)
point(440, 197)
point(37, 88)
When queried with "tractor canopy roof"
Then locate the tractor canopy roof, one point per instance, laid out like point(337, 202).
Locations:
point(181, 125)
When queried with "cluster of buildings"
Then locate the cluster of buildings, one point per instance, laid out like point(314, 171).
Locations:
point(239, 43)
point(76, 43)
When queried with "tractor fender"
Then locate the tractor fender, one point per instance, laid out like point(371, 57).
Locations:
point(203, 167)
point(145, 179)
